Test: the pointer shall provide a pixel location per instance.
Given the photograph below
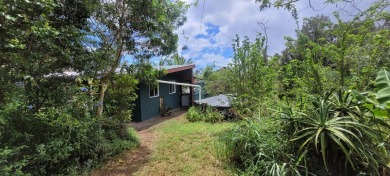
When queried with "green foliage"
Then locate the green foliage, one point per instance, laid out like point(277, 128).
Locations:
point(218, 82)
point(145, 73)
point(256, 146)
point(250, 75)
point(194, 114)
point(382, 82)
point(47, 117)
point(121, 96)
point(207, 71)
point(59, 140)
point(175, 59)
point(334, 135)
point(206, 114)
point(341, 133)
point(212, 115)
point(8, 164)
point(330, 130)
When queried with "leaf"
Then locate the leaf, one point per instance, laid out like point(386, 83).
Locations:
point(382, 82)
point(9, 17)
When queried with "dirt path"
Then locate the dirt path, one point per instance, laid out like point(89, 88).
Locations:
point(131, 161)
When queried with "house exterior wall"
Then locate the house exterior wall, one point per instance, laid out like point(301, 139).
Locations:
point(170, 100)
point(147, 107)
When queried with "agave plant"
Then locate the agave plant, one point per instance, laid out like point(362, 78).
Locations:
point(331, 129)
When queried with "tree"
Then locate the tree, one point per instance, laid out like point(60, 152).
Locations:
point(37, 39)
point(218, 82)
point(251, 73)
point(176, 59)
point(207, 71)
point(139, 28)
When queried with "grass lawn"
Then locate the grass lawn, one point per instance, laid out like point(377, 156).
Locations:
point(184, 148)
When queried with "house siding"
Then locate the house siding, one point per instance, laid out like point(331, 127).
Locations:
point(150, 107)
point(147, 108)
point(170, 100)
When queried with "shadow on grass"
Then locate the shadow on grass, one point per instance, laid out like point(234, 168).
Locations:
point(140, 126)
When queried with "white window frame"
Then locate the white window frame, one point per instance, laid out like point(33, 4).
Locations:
point(174, 88)
point(158, 91)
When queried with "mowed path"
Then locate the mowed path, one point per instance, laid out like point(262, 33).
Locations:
point(169, 146)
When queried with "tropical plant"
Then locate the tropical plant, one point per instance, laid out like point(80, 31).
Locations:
point(256, 146)
point(382, 82)
point(344, 143)
point(175, 59)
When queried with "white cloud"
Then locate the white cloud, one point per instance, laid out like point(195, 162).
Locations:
point(210, 59)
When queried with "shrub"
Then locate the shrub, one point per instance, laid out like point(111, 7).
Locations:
point(208, 114)
point(256, 146)
point(120, 97)
point(333, 136)
point(60, 139)
point(212, 115)
point(194, 114)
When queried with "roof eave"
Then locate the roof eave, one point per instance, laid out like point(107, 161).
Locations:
point(187, 67)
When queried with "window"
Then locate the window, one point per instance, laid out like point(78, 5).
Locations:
point(172, 88)
point(185, 90)
point(153, 92)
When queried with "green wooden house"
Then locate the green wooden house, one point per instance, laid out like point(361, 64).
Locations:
point(151, 100)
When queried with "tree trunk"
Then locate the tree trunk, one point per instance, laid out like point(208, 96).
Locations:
point(104, 80)
point(102, 89)
point(107, 76)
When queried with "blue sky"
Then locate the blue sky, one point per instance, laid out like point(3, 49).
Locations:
point(209, 42)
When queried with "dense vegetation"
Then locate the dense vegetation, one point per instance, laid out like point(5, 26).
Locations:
point(321, 107)
point(57, 65)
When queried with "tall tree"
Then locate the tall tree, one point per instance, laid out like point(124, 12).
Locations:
point(38, 38)
point(176, 59)
point(140, 28)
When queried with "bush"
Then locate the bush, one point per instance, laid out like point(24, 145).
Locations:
point(208, 114)
point(336, 135)
point(120, 97)
point(212, 115)
point(60, 139)
point(256, 146)
point(194, 114)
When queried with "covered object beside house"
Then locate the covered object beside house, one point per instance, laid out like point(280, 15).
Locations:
point(220, 101)
point(151, 99)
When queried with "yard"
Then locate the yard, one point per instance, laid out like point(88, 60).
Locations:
point(171, 147)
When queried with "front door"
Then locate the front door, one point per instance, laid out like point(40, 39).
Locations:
point(185, 100)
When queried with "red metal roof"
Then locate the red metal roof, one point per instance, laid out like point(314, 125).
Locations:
point(180, 68)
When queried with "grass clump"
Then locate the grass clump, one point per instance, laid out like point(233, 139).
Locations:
point(256, 146)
